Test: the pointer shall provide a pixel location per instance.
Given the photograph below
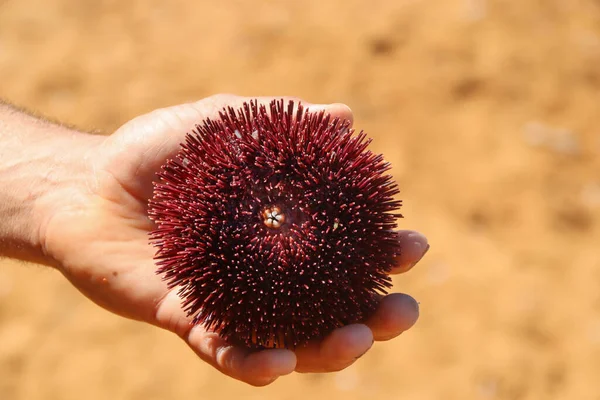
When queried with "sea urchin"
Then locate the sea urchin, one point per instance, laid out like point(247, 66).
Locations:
point(276, 225)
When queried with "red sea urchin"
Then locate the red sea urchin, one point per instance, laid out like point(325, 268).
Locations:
point(275, 225)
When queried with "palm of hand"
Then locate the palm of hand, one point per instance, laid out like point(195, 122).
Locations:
point(101, 242)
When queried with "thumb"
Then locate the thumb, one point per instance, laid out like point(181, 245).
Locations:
point(142, 145)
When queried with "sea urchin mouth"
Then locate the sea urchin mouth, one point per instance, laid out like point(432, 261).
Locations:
point(275, 224)
point(273, 217)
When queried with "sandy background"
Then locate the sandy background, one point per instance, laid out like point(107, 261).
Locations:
point(489, 111)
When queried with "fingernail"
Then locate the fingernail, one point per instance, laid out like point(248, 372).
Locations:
point(420, 258)
point(338, 109)
point(362, 354)
point(285, 363)
point(343, 106)
point(417, 305)
point(317, 107)
point(407, 267)
point(365, 352)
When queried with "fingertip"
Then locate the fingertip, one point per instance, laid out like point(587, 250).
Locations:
point(397, 313)
point(413, 247)
point(339, 110)
point(347, 344)
point(265, 366)
point(343, 111)
point(277, 362)
point(256, 368)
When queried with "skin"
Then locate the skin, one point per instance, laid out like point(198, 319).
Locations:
point(77, 202)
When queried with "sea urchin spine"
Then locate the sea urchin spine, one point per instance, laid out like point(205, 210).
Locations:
point(276, 225)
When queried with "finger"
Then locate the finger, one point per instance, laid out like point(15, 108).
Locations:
point(339, 110)
point(157, 136)
point(395, 314)
point(161, 126)
point(337, 351)
point(257, 368)
point(413, 246)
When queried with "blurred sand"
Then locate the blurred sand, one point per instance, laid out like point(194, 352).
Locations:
point(489, 111)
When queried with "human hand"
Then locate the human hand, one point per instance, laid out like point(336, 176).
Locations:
point(97, 236)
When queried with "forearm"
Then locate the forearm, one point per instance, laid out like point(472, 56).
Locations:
point(39, 162)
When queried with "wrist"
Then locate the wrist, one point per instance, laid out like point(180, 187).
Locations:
point(43, 166)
